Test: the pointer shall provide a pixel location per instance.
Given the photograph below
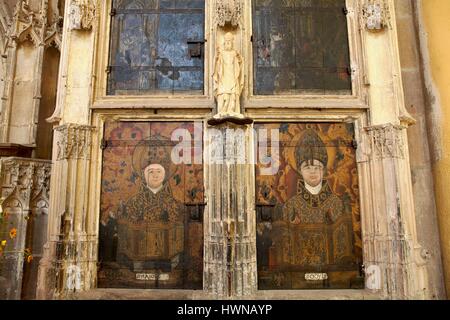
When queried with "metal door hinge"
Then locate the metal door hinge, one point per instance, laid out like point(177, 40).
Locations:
point(104, 144)
point(195, 48)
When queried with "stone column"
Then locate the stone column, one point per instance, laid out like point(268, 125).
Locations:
point(394, 260)
point(24, 186)
point(69, 251)
point(230, 220)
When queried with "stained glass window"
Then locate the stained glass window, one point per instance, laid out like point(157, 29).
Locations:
point(156, 47)
point(300, 47)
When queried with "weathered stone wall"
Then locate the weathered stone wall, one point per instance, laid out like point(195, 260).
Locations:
point(422, 178)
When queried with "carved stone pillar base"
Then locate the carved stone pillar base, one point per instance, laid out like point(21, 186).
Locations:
point(65, 268)
point(230, 245)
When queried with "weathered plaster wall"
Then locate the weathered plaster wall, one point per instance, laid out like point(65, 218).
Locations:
point(422, 178)
point(434, 23)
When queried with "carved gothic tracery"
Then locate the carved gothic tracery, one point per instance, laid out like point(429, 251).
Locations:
point(228, 11)
point(27, 25)
point(375, 15)
point(24, 183)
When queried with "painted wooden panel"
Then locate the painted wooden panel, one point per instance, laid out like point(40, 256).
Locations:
point(308, 212)
point(150, 51)
point(151, 224)
point(300, 46)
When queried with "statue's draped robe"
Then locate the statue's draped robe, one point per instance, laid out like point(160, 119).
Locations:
point(228, 77)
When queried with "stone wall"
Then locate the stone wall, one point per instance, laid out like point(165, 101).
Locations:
point(432, 29)
point(422, 178)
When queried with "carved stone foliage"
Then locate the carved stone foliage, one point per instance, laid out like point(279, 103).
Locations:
point(73, 141)
point(25, 184)
point(228, 11)
point(37, 27)
point(375, 15)
point(81, 14)
point(386, 141)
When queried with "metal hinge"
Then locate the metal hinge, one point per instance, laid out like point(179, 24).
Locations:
point(195, 48)
point(196, 211)
point(113, 12)
point(104, 144)
point(345, 10)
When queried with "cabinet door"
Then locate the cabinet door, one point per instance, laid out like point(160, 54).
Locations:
point(151, 223)
point(308, 212)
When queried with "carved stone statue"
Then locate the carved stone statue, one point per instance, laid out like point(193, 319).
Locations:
point(228, 80)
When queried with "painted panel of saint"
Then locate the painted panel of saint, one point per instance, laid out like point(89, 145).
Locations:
point(308, 214)
point(151, 233)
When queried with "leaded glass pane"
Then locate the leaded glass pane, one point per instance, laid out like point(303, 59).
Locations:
point(150, 47)
point(300, 47)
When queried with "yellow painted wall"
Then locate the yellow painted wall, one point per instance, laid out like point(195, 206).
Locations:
point(436, 21)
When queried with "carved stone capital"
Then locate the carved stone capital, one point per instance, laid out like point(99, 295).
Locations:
point(73, 141)
point(375, 15)
point(386, 141)
point(228, 12)
point(82, 14)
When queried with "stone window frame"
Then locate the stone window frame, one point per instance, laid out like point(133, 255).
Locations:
point(357, 65)
point(357, 100)
point(179, 100)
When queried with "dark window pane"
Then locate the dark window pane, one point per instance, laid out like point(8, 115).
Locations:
point(300, 46)
point(150, 50)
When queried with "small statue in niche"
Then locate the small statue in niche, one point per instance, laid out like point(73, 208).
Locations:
point(228, 80)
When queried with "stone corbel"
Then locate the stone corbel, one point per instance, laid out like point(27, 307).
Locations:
point(375, 15)
point(82, 14)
